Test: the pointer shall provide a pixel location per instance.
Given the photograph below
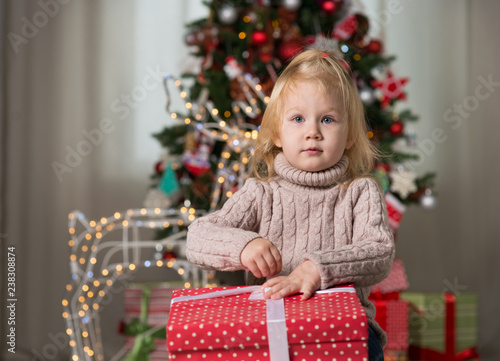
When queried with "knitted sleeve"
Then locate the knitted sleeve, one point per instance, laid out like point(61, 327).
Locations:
point(216, 240)
point(368, 259)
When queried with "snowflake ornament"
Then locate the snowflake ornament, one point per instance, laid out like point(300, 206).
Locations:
point(403, 182)
point(392, 88)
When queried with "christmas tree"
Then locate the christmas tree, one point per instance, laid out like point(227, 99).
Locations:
point(240, 49)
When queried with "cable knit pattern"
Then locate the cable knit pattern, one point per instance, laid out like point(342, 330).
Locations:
point(307, 215)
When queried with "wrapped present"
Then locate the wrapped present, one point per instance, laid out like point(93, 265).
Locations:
point(392, 316)
point(442, 326)
point(147, 308)
point(396, 281)
point(228, 324)
point(158, 303)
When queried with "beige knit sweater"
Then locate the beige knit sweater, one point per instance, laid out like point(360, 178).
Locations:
point(307, 215)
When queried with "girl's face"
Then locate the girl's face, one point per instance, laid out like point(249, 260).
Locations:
point(313, 133)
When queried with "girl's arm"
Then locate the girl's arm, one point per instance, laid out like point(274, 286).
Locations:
point(217, 240)
point(368, 260)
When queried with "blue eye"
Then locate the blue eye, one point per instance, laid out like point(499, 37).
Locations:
point(327, 120)
point(298, 119)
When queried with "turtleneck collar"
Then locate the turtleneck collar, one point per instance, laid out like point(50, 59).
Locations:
point(324, 178)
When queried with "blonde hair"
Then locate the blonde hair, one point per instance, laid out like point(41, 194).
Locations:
point(331, 74)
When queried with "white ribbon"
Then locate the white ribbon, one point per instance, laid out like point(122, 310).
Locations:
point(275, 315)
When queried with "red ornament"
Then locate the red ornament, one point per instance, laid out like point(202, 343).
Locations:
point(289, 49)
point(396, 128)
point(259, 37)
point(169, 255)
point(159, 167)
point(329, 7)
point(265, 57)
point(374, 46)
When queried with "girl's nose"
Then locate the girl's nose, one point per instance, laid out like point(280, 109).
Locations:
point(313, 131)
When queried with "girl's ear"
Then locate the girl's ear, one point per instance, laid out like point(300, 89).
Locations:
point(277, 142)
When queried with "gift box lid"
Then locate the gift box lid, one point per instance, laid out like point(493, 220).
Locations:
point(237, 322)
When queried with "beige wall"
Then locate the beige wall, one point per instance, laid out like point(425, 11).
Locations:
point(65, 79)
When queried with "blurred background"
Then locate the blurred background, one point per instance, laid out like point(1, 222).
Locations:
point(64, 77)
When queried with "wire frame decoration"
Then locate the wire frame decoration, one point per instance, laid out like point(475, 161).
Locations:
point(98, 260)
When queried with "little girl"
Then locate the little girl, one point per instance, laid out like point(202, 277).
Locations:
point(311, 218)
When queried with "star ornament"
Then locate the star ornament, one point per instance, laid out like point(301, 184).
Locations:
point(391, 88)
point(403, 182)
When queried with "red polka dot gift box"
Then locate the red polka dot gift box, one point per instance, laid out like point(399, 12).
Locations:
point(236, 323)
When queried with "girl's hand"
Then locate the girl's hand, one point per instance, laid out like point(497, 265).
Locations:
point(304, 279)
point(261, 257)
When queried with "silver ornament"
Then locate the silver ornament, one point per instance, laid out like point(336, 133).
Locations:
point(291, 5)
point(367, 96)
point(428, 201)
point(228, 14)
point(158, 252)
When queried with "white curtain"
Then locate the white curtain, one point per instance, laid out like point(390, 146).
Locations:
point(89, 69)
point(79, 73)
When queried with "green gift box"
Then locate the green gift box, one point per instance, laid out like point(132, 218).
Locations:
point(442, 326)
